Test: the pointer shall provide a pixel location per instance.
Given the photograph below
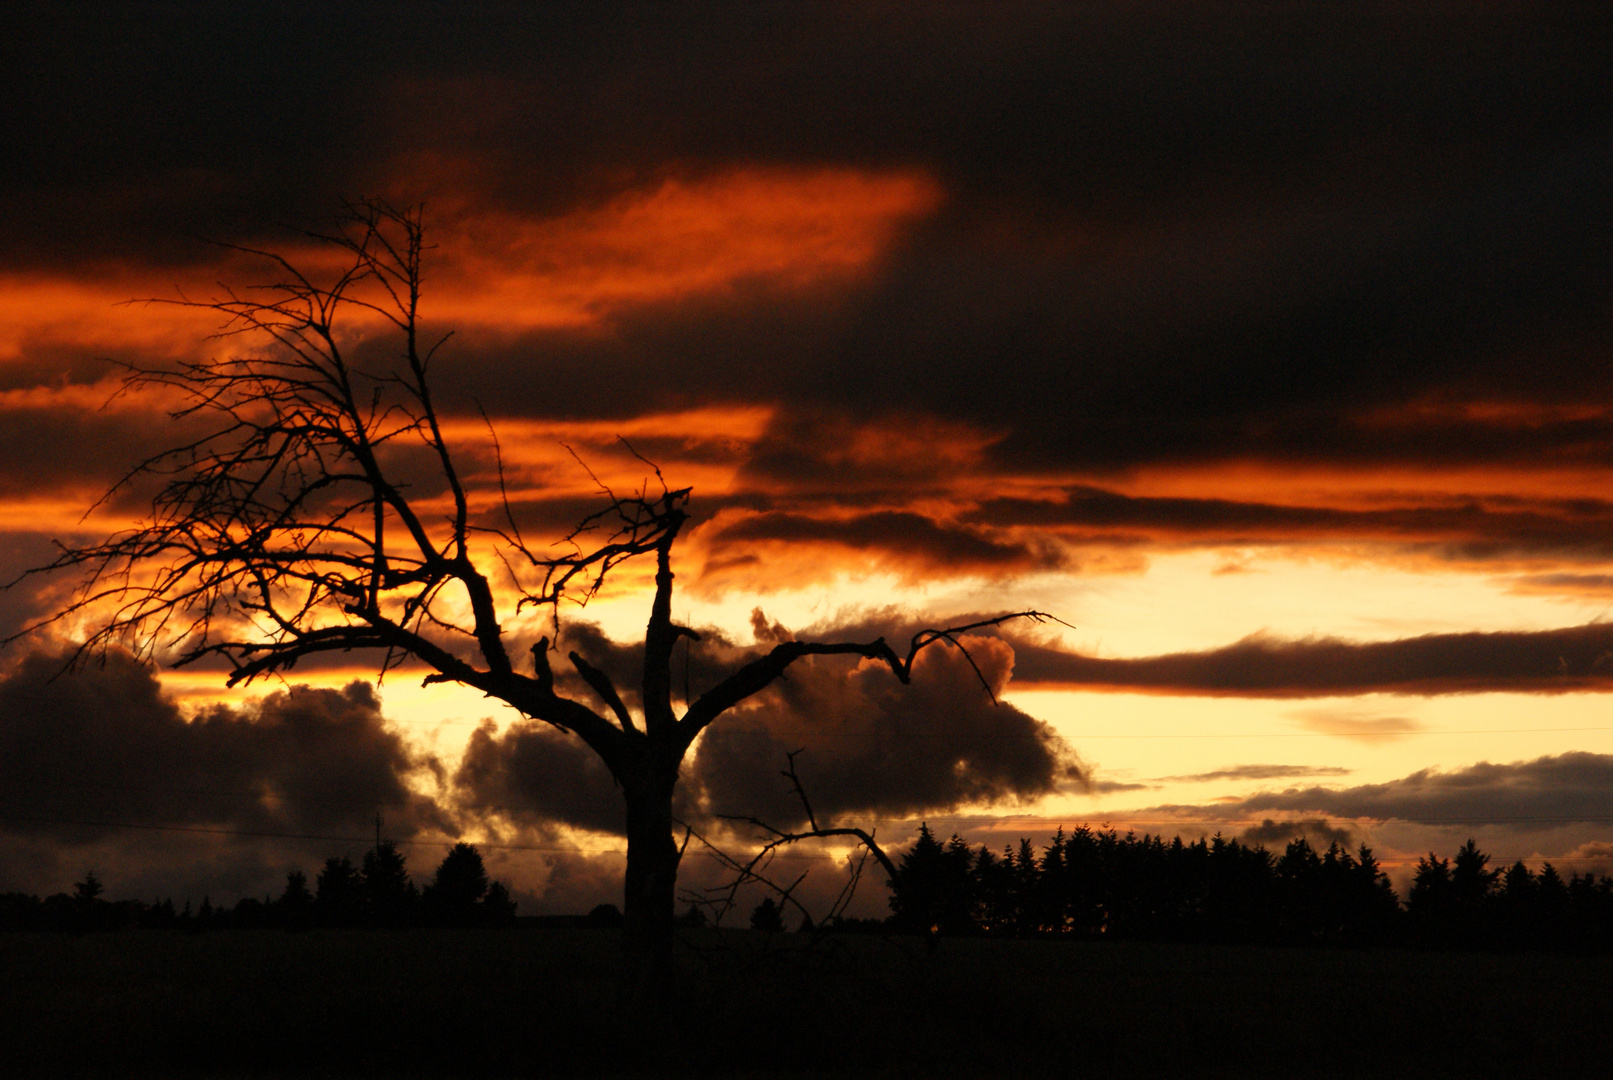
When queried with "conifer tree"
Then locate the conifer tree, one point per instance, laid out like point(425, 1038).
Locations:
point(389, 896)
point(338, 893)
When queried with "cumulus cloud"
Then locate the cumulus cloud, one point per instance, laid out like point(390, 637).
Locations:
point(532, 774)
point(1591, 857)
point(1318, 831)
point(1572, 659)
point(873, 746)
point(85, 751)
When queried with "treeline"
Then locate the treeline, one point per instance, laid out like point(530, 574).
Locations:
point(1090, 884)
point(377, 892)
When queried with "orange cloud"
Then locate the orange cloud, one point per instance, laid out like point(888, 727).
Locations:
point(703, 448)
point(1364, 487)
point(96, 314)
point(787, 227)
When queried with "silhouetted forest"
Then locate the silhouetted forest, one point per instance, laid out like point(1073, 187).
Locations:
point(1091, 884)
point(1085, 885)
point(377, 892)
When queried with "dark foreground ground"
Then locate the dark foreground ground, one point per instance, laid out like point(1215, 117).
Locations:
point(549, 1002)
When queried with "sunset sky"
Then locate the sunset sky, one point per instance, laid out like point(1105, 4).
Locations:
point(1264, 345)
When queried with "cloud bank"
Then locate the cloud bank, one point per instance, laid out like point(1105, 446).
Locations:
point(1573, 659)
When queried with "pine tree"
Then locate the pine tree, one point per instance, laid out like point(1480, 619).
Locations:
point(338, 893)
point(296, 904)
point(1026, 872)
point(498, 909)
point(1430, 901)
point(955, 913)
point(916, 890)
point(389, 896)
point(767, 917)
point(1471, 883)
point(88, 891)
point(457, 888)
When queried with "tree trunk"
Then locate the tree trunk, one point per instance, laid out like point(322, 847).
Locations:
point(651, 888)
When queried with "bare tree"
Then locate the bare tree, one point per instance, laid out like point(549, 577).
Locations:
point(723, 897)
point(301, 522)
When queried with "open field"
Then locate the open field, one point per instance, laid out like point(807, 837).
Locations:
point(547, 1002)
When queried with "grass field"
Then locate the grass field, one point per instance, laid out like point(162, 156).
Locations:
point(548, 1002)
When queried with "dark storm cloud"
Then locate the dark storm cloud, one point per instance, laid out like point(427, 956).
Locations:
point(1452, 526)
point(534, 775)
point(103, 745)
point(1165, 233)
point(910, 539)
point(1577, 658)
point(77, 446)
point(873, 746)
point(1542, 794)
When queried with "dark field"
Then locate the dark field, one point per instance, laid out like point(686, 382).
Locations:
point(547, 1002)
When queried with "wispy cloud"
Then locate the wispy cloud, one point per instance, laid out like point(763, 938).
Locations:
point(1257, 772)
point(1355, 726)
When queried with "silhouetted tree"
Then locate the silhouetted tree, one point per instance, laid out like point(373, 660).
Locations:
point(161, 915)
point(338, 893)
point(915, 899)
point(498, 907)
point(88, 891)
point(957, 900)
point(1025, 871)
point(294, 528)
point(933, 891)
point(1050, 894)
point(1083, 872)
point(605, 916)
point(993, 890)
point(1299, 874)
point(767, 916)
point(456, 890)
point(1373, 908)
point(389, 896)
point(89, 910)
point(1430, 901)
point(1472, 885)
point(296, 903)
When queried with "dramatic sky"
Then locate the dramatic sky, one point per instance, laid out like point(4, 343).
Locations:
point(1265, 345)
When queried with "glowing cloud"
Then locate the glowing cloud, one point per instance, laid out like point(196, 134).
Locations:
point(680, 238)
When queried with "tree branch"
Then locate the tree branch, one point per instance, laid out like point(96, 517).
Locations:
point(605, 689)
